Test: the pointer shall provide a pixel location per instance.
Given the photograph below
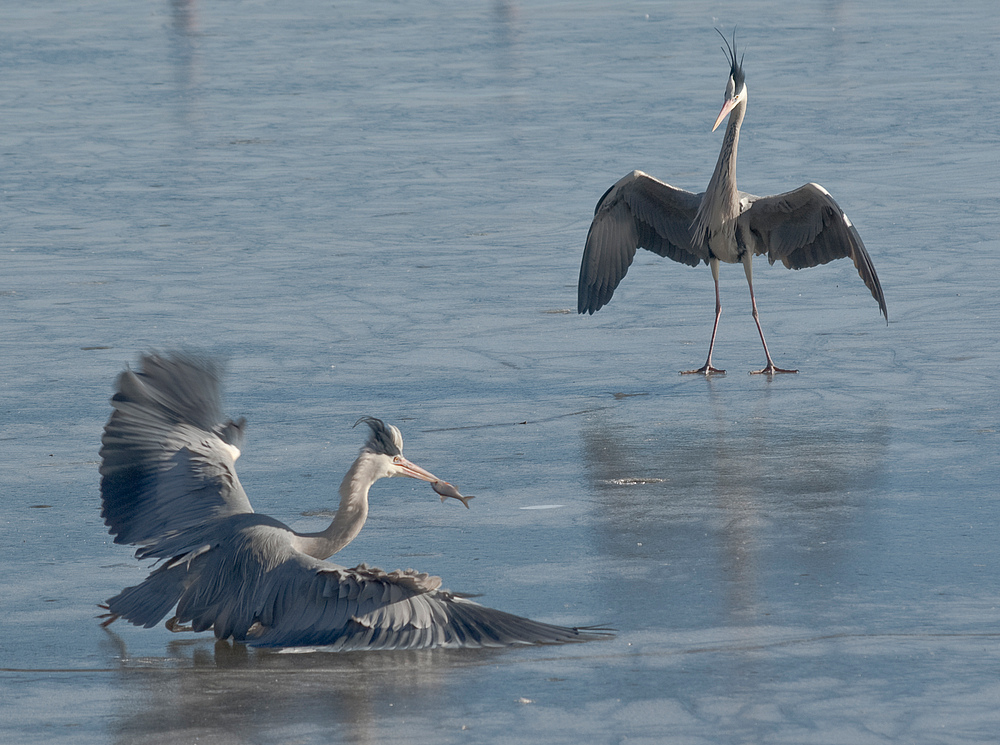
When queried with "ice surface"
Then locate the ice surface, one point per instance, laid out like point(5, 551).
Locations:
point(379, 209)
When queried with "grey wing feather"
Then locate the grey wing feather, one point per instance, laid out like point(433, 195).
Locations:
point(167, 453)
point(806, 227)
point(257, 589)
point(637, 212)
point(366, 609)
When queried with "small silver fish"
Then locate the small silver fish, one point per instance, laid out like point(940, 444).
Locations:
point(448, 490)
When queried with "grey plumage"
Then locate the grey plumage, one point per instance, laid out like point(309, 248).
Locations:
point(168, 455)
point(800, 228)
point(169, 486)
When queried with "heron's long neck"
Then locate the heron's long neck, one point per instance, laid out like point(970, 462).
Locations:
point(350, 517)
point(721, 203)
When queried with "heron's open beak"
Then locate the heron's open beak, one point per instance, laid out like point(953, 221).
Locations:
point(726, 108)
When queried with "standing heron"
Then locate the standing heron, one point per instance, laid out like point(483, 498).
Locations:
point(800, 228)
point(169, 486)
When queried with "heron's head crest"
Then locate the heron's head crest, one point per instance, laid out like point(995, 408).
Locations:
point(736, 68)
point(384, 439)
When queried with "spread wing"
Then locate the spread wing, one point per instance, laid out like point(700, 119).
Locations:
point(254, 587)
point(637, 212)
point(806, 227)
point(168, 456)
point(367, 608)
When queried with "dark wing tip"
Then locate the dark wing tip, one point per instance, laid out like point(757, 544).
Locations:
point(866, 269)
point(590, 299)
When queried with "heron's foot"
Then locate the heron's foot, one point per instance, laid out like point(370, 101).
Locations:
point(111, 617)
point(705, 369)
point(176, 626)
point(771, 369)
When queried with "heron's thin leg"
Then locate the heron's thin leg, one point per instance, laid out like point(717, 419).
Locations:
point(707, 368)
point(770, 369)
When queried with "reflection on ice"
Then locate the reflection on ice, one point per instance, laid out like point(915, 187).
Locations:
point(761, 508)
point(228, 693)
point(764, 683)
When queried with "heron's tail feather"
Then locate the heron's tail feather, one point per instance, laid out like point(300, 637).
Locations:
point(147, 603)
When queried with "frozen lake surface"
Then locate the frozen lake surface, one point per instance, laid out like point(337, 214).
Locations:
point(379, 209)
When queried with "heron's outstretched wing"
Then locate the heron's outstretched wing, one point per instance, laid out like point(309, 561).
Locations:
point(637, 212)
point(806, 227)
point(260, 591)
point(168, 455)
point(367, 608)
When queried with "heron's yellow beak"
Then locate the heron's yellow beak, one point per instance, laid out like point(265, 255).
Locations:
point(411, 469)
point(726, 108)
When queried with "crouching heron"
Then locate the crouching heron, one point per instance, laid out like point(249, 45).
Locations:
point(169, 486)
